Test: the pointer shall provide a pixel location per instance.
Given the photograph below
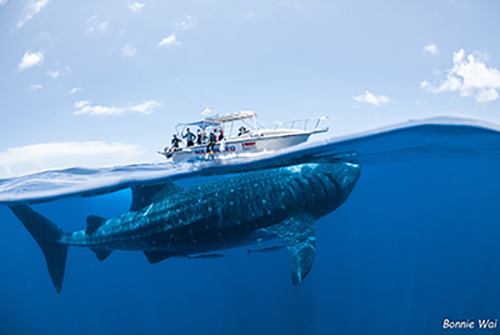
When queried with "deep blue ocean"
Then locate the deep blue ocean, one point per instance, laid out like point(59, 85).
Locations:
point(417, 242)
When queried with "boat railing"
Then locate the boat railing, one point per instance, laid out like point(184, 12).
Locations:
point(302, 124)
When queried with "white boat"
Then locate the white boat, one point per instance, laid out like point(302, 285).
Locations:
point(243, 133)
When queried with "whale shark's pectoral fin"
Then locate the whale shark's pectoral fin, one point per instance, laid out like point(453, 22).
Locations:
point(157, 256)
point(298, 232)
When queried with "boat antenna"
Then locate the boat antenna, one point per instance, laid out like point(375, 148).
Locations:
point(207, 110)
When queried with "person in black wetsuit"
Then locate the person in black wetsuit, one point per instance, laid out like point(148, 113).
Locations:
point(175, 145)
point(199, 138)
point(211, 143)
point(202, 136)
point(242, 130)
point(190, 137)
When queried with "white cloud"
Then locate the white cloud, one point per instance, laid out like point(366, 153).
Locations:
point(470, 77)
point(84, 107)
point(146, 107)
point(36, 87)
point(30, 59)
point(95, 26)
point(66, 71)
point(30, 10)
point(136, 7)
point(43, 156)
point(168, 41)
point(129, 50)
point(186, 23)
point(74, 90)
point(372, 99)
point(81, 103)
point(481, 56)
point(54, 74)
point(61, 72)
point(432, 49)
point(3, 2)
point(486, 95)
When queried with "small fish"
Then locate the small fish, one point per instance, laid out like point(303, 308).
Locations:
point(204, 256)
point(266, 249)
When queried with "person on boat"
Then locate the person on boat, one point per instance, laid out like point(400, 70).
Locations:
point(242, 130)
point(202, 136)
point(199, 136)
point(222, 141)
point(174, 146)
point(212, 138)
point(190, 137)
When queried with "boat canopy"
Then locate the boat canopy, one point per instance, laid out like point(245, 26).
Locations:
point(219, 119)
point(202, 123)
point(231, 117)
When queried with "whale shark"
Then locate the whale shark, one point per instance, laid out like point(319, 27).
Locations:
point(169, 220)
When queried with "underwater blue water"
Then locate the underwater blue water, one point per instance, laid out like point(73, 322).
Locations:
point(415, 243)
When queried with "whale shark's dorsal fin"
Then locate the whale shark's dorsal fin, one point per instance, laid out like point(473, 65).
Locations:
point(143, 195)
point(298, 232)
point(93, 223)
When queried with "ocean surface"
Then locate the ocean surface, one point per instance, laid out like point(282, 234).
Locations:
point(415, 244)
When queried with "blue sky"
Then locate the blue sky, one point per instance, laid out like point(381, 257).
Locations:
point(100, 83)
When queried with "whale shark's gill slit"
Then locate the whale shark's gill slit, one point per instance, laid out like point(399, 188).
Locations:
point(319, 189)
point(297, 191)
point(310, 186)
point(319, 186)
point(290, 192)
point(336, 186)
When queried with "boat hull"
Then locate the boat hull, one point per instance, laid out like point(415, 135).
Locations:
point(243, 145)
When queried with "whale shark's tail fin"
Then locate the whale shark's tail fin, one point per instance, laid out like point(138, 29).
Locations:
point(47, 234)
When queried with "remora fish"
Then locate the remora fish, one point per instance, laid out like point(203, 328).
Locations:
point(169, 220)
point(270, 249)
point(204, 256)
